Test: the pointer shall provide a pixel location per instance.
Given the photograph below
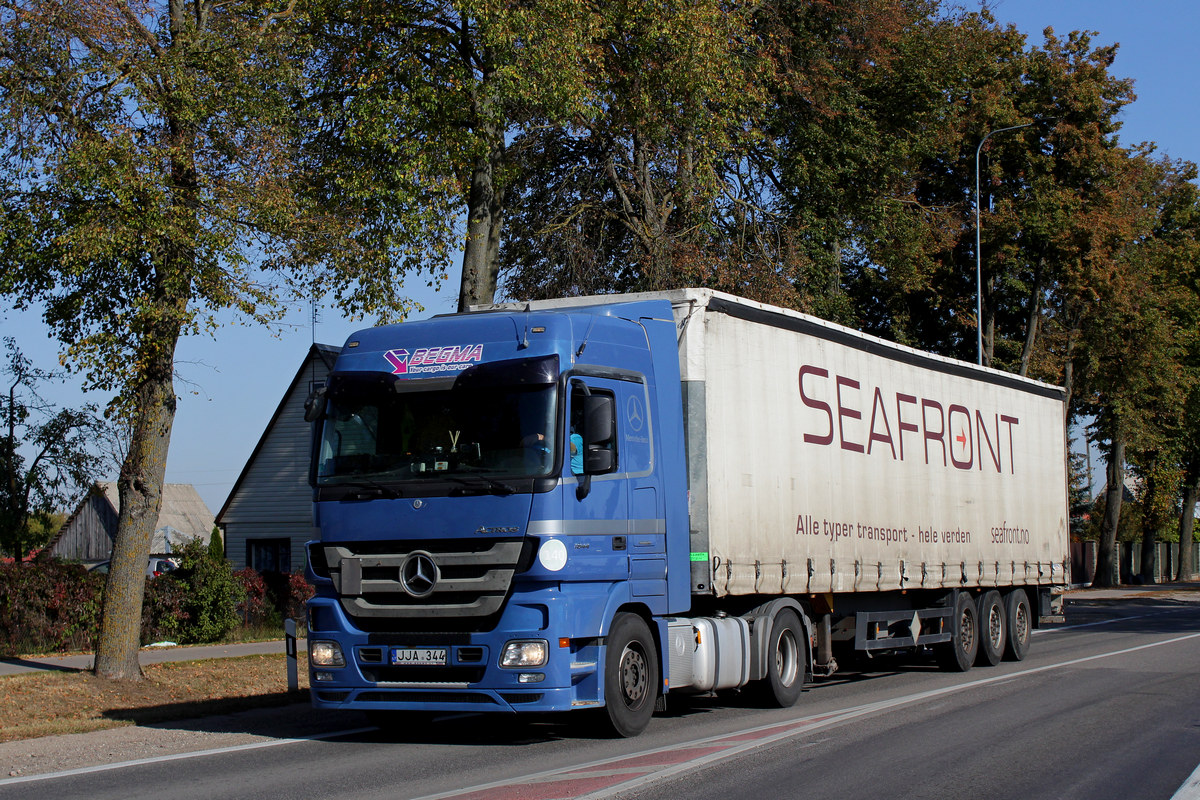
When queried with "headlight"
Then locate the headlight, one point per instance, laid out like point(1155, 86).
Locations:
point(325, 654)
point(530, 653)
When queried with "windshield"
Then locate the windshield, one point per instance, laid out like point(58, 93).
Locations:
point(495, 421)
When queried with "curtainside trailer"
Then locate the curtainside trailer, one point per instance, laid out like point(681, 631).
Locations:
point(597, 503)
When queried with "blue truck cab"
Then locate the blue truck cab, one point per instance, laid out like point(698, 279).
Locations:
point(501, 500)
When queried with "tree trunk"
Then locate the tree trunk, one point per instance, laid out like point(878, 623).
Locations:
point(1187, 520)
point(1113, 495)
point(1031, 326)
point(485, 197)
point(485, 217)
point(140, 488)
point(140, 483)
point(1151, 523)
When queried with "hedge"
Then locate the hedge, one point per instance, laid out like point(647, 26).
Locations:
point(51, 606)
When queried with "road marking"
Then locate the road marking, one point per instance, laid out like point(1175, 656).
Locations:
point(603, 779)
point(1190, 790)
point(606, 778)
point(179, 756)
point(1104, 622)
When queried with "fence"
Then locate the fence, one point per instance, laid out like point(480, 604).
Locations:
point(1129, 561)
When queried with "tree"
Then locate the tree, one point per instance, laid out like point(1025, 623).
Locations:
point(216, 548)
point(419, 100)
point(58, 463)
point(623, 199)
point(155, 175)
point(1128, 364)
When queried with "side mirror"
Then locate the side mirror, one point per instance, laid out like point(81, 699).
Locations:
point(599, 429)
point(314, 406)
point(599, 420)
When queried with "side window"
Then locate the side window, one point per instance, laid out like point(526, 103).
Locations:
point(581, 441)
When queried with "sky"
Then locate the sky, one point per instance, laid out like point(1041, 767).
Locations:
point(230, 386)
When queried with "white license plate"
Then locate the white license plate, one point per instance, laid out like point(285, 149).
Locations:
point(419, 656)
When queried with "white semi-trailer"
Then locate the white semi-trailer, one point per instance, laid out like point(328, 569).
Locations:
point(712, 492)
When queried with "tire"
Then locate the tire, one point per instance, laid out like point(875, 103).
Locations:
point(958, 654)
point(631, 676)
point(784, 681)
point(1020, 625)
point(993, 629)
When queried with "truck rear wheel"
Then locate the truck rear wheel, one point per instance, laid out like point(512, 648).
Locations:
point(785, 661)
point(958, 654)
point(993, 628)
point(630, 675)
point(1020, 625)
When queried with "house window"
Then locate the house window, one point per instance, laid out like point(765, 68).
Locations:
point(269, 555)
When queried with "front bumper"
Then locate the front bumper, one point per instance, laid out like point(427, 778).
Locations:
point(472, 678)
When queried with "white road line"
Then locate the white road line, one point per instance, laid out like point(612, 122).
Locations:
point(1190, 790)
point(1102, 622)
point(178, 757)
point(830, 719)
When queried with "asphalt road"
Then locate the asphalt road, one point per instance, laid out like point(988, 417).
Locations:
point(1106, 706)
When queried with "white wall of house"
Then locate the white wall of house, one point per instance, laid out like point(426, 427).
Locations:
point(268, 516)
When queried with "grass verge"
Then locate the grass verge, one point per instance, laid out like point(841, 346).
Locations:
point(52, 703)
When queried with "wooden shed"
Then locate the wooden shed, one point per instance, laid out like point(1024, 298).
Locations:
point(267, 517)
point(88, 534)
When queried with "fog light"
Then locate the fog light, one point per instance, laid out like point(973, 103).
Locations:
point(529, 653)
point(530, 677)
point(322, 677)
point(325, 654)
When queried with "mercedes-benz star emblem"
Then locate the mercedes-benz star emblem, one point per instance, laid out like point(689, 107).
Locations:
point(419, 574)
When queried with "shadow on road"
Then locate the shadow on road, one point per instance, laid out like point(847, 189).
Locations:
point(288, 714)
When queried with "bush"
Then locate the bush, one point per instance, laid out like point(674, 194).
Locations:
point(216, 548)
point(299, 591)
point(47, 606)
point(255, 608)
point(164, 616)
point(210, 595)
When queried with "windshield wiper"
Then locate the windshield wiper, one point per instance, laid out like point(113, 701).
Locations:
point(482, 481)
point(368, 489)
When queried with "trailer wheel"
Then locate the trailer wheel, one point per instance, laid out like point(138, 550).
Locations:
point(1020, 625)
point(993, 629)
point(630, 675)
point(958, 654)
point(785, 660)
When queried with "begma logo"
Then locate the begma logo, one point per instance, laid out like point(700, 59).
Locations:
point(434, 359)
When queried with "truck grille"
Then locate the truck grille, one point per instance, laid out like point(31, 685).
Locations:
point(443, 580)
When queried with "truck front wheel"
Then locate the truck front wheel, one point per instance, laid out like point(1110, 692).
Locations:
point(958, 654)
point(785, 660)
point(630, 675)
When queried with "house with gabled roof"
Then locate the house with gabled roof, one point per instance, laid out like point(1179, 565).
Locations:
point(267, 517)
point(88, 534)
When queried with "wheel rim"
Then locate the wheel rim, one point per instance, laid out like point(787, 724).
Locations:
point(966, 631)
point(787, 658)
point(995, 627)
point(635, 680)
point(1021, 623)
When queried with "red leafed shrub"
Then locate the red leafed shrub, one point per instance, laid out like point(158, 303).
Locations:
point(299, 591)
point(255, 607)
point(47, 606)
point(164, 613)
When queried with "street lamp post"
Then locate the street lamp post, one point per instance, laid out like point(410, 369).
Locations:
point(978, 251)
